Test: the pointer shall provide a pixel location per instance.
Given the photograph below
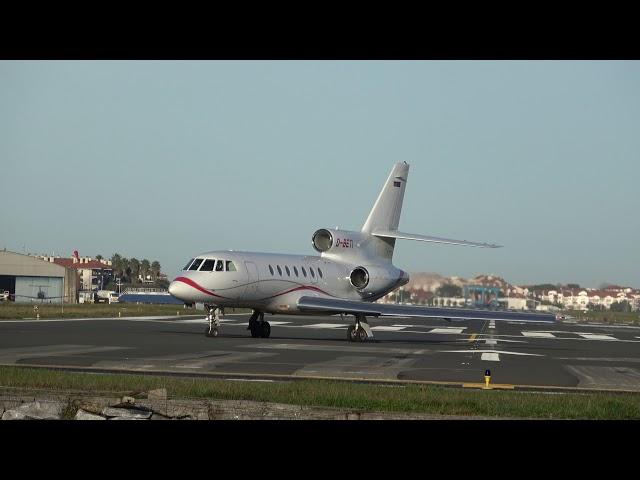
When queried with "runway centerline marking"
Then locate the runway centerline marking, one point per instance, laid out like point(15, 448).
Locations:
point(449, 330)
point(593, 336)
point(539, 334)
point(491, 357)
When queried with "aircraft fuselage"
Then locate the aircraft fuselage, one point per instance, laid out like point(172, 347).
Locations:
point(273, 283)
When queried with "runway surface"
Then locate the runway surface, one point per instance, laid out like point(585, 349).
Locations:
point(585, 356)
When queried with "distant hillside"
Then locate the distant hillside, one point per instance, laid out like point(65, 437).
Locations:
point(430, 282)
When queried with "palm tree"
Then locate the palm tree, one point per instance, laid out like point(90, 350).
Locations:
point(126, 269)
point(116, 264)
point(155, 270)
point(134, 264)
point(144, 268)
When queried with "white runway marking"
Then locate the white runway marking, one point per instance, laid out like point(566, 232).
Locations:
point(494, 351)
point(539, 334)
point(491, 357)
point(449, 330)
point(593, 336)
point(386, 328)
point(491, 341)
point(327, 325)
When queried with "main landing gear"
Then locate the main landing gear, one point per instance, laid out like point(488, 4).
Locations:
point(259, 328)
point(361, 331)
point(213, 318)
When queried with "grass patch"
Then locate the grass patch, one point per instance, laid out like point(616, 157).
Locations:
point(606, 316)
point(10, 310)
point(426, 399)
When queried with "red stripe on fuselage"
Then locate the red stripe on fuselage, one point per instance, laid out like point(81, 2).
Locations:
point(305, 287)
point(193, 284)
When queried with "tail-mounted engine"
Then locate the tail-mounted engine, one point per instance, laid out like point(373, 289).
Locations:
point(375, 280)
point(338, 242)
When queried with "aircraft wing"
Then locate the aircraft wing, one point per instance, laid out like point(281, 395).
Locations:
point(426, 238)
point(336, 305)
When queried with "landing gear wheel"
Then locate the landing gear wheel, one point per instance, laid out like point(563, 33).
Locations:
point(211, 332)
point(362, 335)
point(266, 330)
point(255, 330)
point(352, 336)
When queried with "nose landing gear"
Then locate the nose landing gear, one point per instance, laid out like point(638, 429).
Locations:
point(213, 318)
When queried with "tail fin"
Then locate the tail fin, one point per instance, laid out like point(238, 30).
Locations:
point(385, 214)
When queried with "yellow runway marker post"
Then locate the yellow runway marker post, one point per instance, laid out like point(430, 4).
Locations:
point(487, 378)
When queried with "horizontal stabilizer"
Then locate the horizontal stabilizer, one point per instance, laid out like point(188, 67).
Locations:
point(336, 305)
point(426, 238)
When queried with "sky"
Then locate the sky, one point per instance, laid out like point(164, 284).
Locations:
point(166, 159)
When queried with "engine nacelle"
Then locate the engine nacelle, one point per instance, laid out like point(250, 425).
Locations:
point(335, 241)
point(373, 280)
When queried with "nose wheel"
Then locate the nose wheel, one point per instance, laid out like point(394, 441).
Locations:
point(213, 329)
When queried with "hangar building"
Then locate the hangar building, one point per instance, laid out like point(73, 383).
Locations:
point(31, 280)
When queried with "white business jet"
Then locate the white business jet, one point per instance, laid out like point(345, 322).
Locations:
point(353, 270)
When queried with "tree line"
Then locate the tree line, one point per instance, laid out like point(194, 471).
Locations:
point(129, 270)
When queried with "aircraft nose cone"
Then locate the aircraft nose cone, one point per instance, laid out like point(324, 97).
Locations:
point(175, 289)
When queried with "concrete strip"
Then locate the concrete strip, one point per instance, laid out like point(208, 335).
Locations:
point(599, 377)
point(82, 415)
point(128, 413)
point(38, 410)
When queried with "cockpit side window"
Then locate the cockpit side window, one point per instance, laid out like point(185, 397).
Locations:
point(220, 266)
point(304, 272)
point(311, 272)
point(279, 270)
point(186, 267)
point(231, 267)
point(207, 266)
point(196, 264)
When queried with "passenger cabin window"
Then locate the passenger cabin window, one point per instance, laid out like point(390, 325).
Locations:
point(304, 272)
point(319, 272)
point(231, 267)
point(287, 270)
point(186, 267)
point(311, 272)
point(271, 270)
point(196, 264)
point(279, 270)
point(207, 266)
point(295, 270)
point(220, 266)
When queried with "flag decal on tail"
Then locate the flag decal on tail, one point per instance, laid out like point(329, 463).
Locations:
point(396, 184)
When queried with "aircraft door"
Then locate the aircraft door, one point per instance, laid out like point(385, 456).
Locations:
point(253, 278)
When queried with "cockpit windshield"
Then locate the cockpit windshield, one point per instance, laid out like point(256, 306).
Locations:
point(186, 267)
point(207, 266)
point(196, 264)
